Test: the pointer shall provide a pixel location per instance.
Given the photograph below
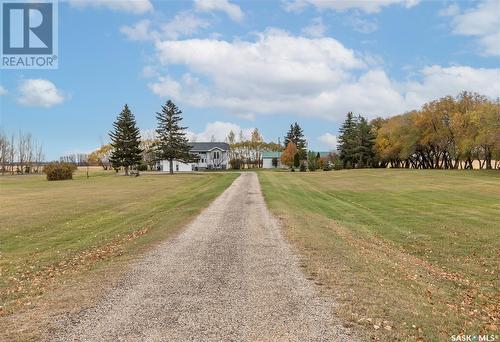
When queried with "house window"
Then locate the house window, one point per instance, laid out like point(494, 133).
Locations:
point(176, 167)
point(216, 154)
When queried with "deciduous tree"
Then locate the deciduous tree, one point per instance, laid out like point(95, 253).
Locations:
point(447, 133)
point(288, 155)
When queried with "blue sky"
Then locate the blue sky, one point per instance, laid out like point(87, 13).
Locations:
point(245, 64)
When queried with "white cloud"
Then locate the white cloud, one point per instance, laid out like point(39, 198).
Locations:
point(450, 10)
point(232, 10)
point(275, 57)
point(166, 87)
point(130, 6)
point(141, 31)
point(3, 91)
point(39, 93)
point(247, 116)
point(281, 73)
point(482, 22)
point(316, 29)
point(244, 75)
point(218, 131)
point(188, 89)
point(329, 140)
point(441, 81)
point(362, 25)
point(183, 24)
point(368, 6)
point(149, 71)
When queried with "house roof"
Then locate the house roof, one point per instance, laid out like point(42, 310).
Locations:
point(271, 154)
point(208, 146)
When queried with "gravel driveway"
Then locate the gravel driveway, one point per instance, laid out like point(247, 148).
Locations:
point(230, 276)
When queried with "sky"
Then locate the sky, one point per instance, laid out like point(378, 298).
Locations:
point(237, 65)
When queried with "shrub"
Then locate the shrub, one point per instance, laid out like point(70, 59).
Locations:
point(59, 171)
point(303, 167)
point(142, 167)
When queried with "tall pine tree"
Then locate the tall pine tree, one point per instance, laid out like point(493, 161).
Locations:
point(365, 140)
point(347, 141)
point(296, 136)
point(356, 141)
point(172, 143)
point(125, 140)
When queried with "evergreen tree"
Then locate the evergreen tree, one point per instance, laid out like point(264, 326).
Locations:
point(296, 160)
point(347, 140)
point(125, 140)
point(312, 161)
point(296, 136)
point(365, 140)
point(172, 143)
point(289, 137)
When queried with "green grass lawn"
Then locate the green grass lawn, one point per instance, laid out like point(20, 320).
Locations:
point(410, 254)
point(51, 229)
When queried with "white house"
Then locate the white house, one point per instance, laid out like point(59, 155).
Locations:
point(211, 156)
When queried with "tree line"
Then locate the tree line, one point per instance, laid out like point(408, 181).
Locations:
point(448, 133)
point(20, 154)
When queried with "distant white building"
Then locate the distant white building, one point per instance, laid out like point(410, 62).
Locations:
point(267, 159)
point(76, 158)
point(211, 156)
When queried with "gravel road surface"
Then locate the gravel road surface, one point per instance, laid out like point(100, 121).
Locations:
point(229, 276)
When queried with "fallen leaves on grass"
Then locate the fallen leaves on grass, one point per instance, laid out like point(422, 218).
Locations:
point(27, 284)
point(473, 304)
point(476, 304)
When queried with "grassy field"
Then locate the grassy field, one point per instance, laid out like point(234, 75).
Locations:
point(51, 232)
point(408, 254)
